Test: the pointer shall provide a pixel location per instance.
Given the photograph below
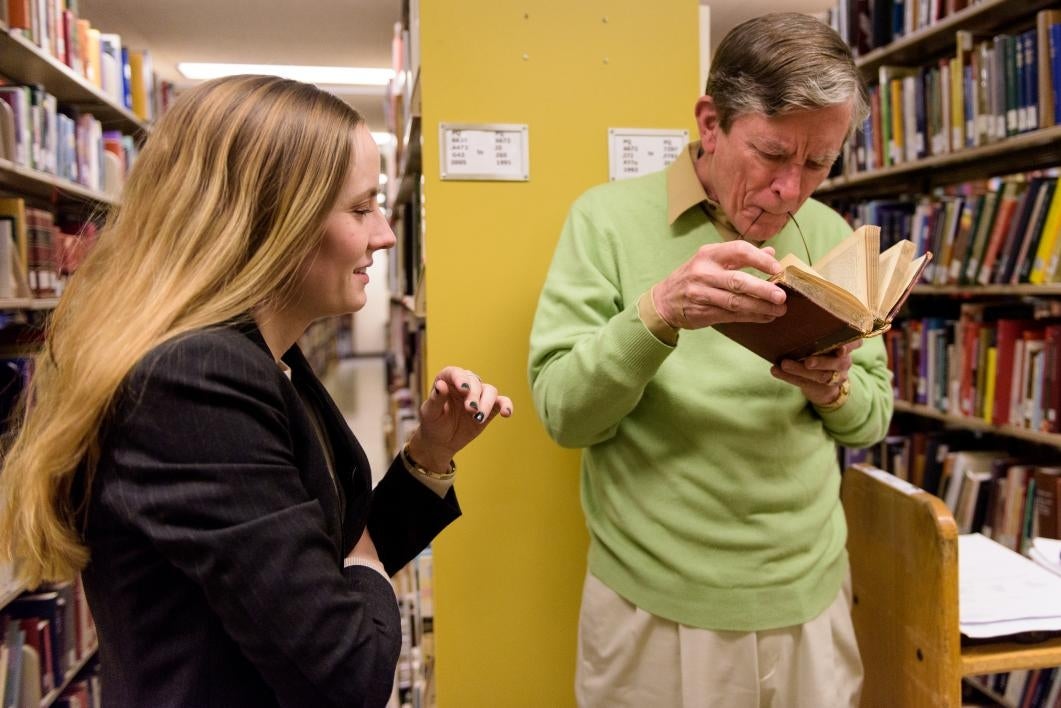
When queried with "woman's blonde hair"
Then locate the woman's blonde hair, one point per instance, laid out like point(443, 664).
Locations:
point(227, 199)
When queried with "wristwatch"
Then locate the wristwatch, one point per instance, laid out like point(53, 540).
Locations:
point(841, 398)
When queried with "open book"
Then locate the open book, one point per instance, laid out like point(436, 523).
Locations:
point(852, 292)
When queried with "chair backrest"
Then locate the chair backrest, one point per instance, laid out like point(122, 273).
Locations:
point(903, 548)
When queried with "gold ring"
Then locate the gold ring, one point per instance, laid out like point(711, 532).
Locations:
point(834, 378)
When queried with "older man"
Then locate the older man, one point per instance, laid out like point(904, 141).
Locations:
point(717, 569)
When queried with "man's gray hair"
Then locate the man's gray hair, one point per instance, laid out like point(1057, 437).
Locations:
point(784, 62)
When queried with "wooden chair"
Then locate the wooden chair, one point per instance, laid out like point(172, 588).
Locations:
point(903, 546)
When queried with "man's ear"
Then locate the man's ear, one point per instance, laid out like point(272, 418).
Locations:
point(707, 122)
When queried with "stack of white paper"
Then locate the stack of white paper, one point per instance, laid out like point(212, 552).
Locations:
point(1001, 592)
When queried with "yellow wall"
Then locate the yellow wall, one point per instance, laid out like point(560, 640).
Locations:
point(508, 574)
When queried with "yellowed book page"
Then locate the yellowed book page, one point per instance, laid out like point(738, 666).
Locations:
point(891, 271)
point(794, 261)
point(852, 264)
point(837, 300)
point(909, 273)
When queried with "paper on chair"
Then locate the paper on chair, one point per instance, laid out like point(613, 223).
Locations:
point(1001, 592)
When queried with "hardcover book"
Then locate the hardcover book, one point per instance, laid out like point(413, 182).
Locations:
point(852, 292)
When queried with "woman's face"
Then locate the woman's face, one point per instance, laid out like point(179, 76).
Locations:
point(336, 275)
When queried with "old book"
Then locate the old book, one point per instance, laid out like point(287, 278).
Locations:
point(852, 292)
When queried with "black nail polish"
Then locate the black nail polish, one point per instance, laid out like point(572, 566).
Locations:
point(480, 417)
point(465, 386)
point(474, 405)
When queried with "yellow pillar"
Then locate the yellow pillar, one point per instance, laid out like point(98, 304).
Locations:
point(508, 574)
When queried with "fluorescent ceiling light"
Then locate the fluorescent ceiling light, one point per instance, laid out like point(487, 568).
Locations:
point(327, 75)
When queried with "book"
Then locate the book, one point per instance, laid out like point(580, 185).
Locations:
point(852, 292)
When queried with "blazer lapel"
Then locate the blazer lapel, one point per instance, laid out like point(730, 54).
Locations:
point(351, 464)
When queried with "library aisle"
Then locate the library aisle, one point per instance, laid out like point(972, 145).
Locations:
point(359, 388)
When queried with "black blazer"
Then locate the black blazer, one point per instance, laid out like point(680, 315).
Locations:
point(217, 537)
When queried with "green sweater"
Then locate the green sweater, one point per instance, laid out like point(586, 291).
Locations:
point(710, 488)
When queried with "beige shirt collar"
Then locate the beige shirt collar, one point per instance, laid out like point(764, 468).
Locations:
point(685, 191)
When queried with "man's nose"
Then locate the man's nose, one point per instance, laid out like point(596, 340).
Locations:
point(786, 184)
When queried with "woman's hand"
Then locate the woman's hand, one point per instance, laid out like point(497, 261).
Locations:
point(819, 376)
point(458, 408)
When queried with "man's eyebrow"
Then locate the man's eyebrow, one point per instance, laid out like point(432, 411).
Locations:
point(824, 157)
point(772, 145)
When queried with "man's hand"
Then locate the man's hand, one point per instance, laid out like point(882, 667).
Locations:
point(819, 376)
point(710, 288)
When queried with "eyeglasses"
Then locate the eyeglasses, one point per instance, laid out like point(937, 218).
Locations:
point(798, 230)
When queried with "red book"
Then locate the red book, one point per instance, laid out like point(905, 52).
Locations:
point(1007, 333)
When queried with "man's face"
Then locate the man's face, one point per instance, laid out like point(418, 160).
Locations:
point(764, 168)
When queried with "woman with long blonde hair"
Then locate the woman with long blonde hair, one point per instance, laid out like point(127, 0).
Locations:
point(176, 448)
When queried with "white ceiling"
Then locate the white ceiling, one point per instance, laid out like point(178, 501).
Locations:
point(727, 14)
point(317, 32)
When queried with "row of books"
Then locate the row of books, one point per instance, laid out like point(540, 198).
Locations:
point(1003, 372)
point(47, 635)
point(397, 107)
point(1025, 688)
point(38, 249)
point(122, 73)
point(999, 231)
point(991, 89)
point(870, 24)
point(36, 132)
point(1008, 496)
point(413, 587)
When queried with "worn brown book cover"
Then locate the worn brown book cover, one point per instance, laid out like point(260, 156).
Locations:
point(1047, 491)
point(852, 292)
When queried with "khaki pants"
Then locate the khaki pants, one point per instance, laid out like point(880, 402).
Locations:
point(630, 658)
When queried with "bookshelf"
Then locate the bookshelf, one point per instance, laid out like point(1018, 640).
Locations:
point(11, 590)
point(76, 669)
point(914, 47)
point(28, 303)
point(950, 136)
point(47, 186)
point(979, 291)
point(975, 424)
point(24, 62)
point(406, 330)
point(1039, 148)
point(52, 202)
point(410, 167)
